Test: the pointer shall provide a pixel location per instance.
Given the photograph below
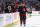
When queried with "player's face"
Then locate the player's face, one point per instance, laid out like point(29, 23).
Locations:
point(23, 4)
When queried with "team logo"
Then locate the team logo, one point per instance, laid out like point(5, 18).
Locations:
point(24, 9)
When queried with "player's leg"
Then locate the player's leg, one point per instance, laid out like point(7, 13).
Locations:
point(24, 20)
point(21, 20)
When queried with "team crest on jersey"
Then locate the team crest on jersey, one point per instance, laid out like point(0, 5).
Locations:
point(24, 9)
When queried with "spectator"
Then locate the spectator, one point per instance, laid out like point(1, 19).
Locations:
point(2, 7)
point(36, 7)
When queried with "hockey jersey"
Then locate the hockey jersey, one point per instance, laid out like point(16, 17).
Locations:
point(22, 10)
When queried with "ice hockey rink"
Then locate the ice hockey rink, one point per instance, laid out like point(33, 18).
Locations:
point(33, 21)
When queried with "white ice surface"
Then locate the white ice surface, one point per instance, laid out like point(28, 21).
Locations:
point(33, 21)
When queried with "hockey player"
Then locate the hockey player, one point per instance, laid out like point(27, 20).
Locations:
point(22, 10)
